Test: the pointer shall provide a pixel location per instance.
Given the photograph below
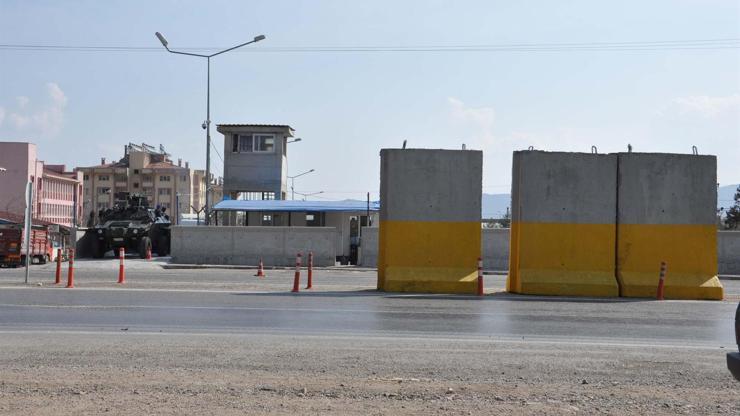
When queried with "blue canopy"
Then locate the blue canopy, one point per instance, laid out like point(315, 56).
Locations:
point(297, 206)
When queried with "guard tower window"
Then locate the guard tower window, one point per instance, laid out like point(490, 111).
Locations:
point(245, 143)
point(264, 143)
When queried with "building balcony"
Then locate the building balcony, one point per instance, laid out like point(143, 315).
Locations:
point(121, 184)
point(147, 184)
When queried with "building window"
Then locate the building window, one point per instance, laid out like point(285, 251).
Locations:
point(184, 178)
point(255, 196)
point(85, 177)
point(136, 171)
point(264, 142)
point(245, 143)
point(164, 191)
point(164, 178)
point(165, 205)
point(266, 219)
point(103, 190)
point(136, 185)
point(103, 178)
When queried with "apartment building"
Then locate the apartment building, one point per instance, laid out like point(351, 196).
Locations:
point(146, 170)
point(53, 186)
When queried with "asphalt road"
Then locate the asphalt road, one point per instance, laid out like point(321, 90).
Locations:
point(367, 314)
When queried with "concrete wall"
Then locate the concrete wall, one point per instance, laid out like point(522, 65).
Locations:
point(495, 249)
point(429, 237)
point(277, 246)
point(667, 212)
point(369, 247)
point(728, 252)
point(563, 216)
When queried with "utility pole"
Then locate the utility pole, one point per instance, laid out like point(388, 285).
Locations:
point(28, 223)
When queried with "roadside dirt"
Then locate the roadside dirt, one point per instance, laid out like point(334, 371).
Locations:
point(134, 374)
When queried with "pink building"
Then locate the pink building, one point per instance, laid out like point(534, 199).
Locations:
point(54, 187)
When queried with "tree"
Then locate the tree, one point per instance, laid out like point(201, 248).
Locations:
point(732, 217)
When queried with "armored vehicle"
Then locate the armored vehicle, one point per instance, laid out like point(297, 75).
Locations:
point(133, 225)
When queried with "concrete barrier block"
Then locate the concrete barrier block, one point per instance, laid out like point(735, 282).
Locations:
point(429, 236)
point(666, 212)
point(563, 224)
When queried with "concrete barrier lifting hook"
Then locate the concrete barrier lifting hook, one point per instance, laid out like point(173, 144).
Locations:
point(694, 150)
point(594, 150)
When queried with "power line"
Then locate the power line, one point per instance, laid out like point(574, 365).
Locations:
point(219, 155)
point(694, 44)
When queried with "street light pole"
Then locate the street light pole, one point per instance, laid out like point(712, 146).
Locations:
point(207, 123)
point(208, 139)
point(292, 182)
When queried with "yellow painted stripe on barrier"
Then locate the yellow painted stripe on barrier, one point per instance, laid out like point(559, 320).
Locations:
point(428, 256)
point(563, 259)
point(689, 250)
point(512, 280)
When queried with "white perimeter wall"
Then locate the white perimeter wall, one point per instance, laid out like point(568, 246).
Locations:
point(277, 246)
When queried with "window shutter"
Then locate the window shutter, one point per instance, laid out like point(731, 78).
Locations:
point(235, 143)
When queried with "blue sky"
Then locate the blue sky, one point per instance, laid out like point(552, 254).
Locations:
point(80, 106)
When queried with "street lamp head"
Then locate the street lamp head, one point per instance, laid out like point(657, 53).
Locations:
point(311, 170)
point(162, 39)
point(259, 38)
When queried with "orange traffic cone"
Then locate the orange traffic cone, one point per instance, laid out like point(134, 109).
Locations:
point(260, 270)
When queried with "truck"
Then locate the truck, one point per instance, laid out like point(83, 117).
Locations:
point(130, 224)
point(13, 249)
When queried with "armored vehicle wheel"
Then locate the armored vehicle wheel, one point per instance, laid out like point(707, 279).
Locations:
point(144, 245)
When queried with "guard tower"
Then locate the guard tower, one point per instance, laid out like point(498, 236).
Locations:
point(255, 160)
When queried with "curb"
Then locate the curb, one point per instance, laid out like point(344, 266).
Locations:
point(346, 268)
point(245, 267)
point(729, 277)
